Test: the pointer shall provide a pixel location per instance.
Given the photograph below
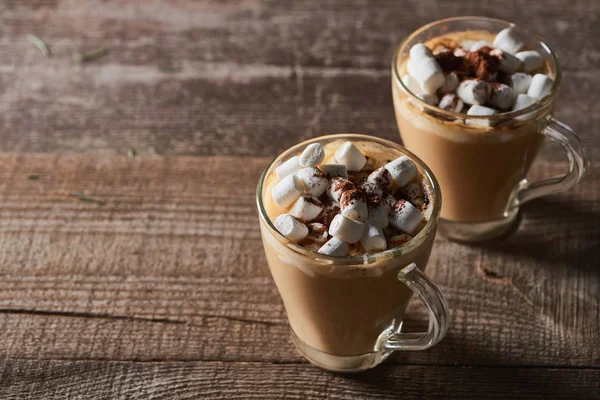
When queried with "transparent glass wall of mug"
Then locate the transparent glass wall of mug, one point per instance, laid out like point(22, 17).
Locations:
point(345, 311)
point(482, 167)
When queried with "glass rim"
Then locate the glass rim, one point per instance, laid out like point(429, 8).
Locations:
point(545, 102)
point(367, 258)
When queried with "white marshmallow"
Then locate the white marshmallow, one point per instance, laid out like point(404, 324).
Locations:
point(373, 238)
point(414, 194)
point(474, 91)
point(382, 178)
point(371, 189)
point(502, 96)
point(306, 208)
point(317, 232)
point(378, 214)
point(335, 247)
point(508, 40)
point(337, 186)
point(402, 169)
point(467, 44)
point(405, 217)
point(427, 73)
point(430, 99)
point(312, 155)
point(451, 102)
point(346, 229)
point(354, 205)
point(451, 82)
point(532, 61)
point(523, 101)
point(315, 182)
point(399, 240)
point(480, 110)
point(411, 84)
point(291, 228)
point(479, 45)
point(334, 170)
point(419, 51)
point(540, 86)
point(508, 63)
point(290, 167)
point(286, 191)
point(349, 155)
point(460, 52)
point(520, 82)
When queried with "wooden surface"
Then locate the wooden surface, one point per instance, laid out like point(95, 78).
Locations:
point(163, 292)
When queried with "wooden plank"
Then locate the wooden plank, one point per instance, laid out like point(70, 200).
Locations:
point(117, 380)
point(246, 78)
point(168, 270)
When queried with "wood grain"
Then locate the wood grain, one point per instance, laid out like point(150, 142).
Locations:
point(168, 270)
point(214, 380)
point(240, 78)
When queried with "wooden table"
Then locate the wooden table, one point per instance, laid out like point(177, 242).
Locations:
point(163, 291)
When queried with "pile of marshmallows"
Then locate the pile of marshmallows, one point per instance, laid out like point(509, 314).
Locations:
point(426, 79)
point(303, 179)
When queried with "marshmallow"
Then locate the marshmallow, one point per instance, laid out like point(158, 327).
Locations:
point(312, 156)
point(508, 40)
point(509, 64)
point(314, 181)
point(335, 247)
point(317, 232)
point(306, 208)
point(479, 45)
point(402, 169)
point(467, 44)
point(540, 86)
point(520, 82)
point(425, 69)
point(337, 187)
point(480, 110)
point(354, 205)
point(414, 194)
point(532, 61)
point(451, 102)
point(411, 84)
point(399, 240)
point(382, 178)
point(523, 101)
point(373, 238)
point(371, 189)
point(378, 213)
point(405, 217)
point(460, 52)
point(451, 82)
point(291, 228)
point(290, 167)
point(334, 170)
point(286, 191)
point(349, 155)
point(502, 96)
point(346, 229)
point(474, 91)
point(427, 98)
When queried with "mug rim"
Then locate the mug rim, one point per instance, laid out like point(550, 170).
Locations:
point(367, 258)
point(545, 102)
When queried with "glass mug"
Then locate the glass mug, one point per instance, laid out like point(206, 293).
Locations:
point(346, 313)
point(482, 169)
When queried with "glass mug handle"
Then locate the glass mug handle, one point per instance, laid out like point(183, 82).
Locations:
point(568, 139)
point(436, 303)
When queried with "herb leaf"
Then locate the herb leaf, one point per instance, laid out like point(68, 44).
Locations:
point(91, 56)
point(131, 152)
point(32, 176)
point(85, 197)
point(40, 44)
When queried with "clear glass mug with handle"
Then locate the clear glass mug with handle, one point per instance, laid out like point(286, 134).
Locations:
point(346, 313)
point(482, 166)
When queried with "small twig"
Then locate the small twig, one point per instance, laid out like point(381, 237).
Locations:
point(40, 44)
point(91, 56)
point(131, 153)
point(493, 276)
point(85, 197)
point(32, 176)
